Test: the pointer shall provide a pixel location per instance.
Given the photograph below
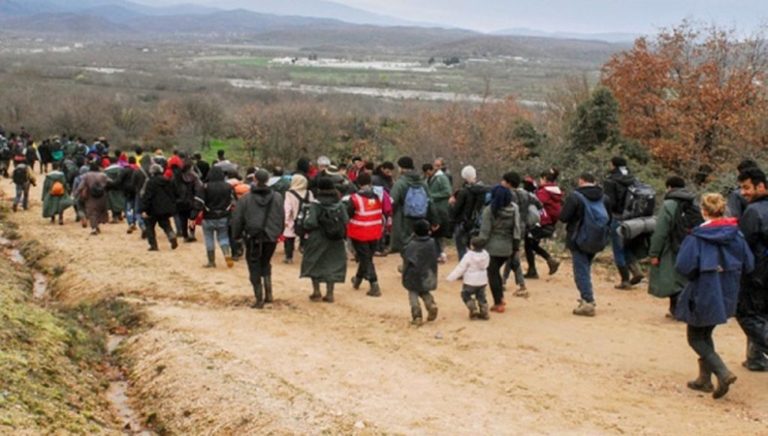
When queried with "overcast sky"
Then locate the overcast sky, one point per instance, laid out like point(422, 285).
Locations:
point(587, 16)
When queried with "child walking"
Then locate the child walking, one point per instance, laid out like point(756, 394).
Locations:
point(473, 268)
point(713, 258)
point(420, 272)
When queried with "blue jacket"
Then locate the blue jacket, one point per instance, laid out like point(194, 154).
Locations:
point(713, 258)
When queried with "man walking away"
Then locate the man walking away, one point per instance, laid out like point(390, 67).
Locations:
point(158, 206)
point(365, 228)
point(22, 178)
point(215, 200)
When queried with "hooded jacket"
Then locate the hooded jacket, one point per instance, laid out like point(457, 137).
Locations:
point(251, 219)
point(473, 268)
point(619, 180)
point(573, 211)
point(471, 197)
point(420, 265)
point(754, 227)
point(216, 197)
point(159, 197)
point(502, 231)
point(664, 280)
point(713, 259)
point(551, 196)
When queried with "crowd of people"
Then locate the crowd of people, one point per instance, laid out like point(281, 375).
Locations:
point(708, 257)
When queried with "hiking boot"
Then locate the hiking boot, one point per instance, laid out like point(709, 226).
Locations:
point(704, 382)
point(432, 312)
point(375, 290)
point(316, 295)
point(484, 315)
point(258, 293)
point(723, 384)
point(757, 361)
point(211, 259)
point(268, 289)
point(584, 309)
point(328, 293)
point(522, 292)
point(637, 273)
point(625, 284)
point(531, 275)
point(553, 265)
point(174, 243)
point(417, 322)
point(356, 282)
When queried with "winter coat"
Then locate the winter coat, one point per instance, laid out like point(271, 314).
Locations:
point(215, 198)
point(473, 268)
point(115, 194)
point(754, 227)
point(469, 197)
point(713, 258)
point(615, 187)
point(250, 218)
point(664, 280)
point(551, 198)
point(52, 205)
point(573, 211)
point(402, 227)
point(95, 208)
point(501, 231)
point(440, 192)
point(294, 198)
point(159, 199)
point(420, 265)
point(737, 204)
point(324, 259)
point(524, 201)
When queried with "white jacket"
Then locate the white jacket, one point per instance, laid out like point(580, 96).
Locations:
point(473, 268)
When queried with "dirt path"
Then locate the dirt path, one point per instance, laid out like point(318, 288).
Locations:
point(210, 364)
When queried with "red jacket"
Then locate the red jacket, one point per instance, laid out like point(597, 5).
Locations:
point(367, 223)
point(551, 197)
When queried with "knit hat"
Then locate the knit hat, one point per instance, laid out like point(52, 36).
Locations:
point(421, 228)
point(469, 173)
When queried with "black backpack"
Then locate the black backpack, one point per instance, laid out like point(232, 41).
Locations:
point(476, 205)
point(331, 221)
point(687, 217)
point(20, 175)
point(639, 201)
point(298, 222)
point(97, 190)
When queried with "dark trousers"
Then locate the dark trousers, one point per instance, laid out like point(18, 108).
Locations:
point(533, 245)
point(164, 222)
point(181, 219)
point(290, 246)
point(494, 278)
point(259, 257)
point(700, 339)
point(365, 267)
point(469, 292)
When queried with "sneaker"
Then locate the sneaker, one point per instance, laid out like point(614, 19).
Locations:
point(584, 309)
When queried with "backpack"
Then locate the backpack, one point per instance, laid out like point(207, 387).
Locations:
point(20, 175)
point(298, 222)
point(533, 218)
point(639, 201)
point(479, 202)
point(687, 217)
point(97, 190)
point(594, 232)
point(57, 189)
point(416, 204)
point(331, 221)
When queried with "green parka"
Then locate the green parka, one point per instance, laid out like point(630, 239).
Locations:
point(664, 280)
point(402, 227)
point(324, 259)
point(501, 232)
point(53, 206)
point(440, 191)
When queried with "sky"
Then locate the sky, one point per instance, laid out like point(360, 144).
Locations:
point(583, 16)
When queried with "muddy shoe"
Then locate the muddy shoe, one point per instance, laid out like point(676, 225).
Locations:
point(623, 286)
point(418, 322)
point(432, 312)
point(531, 275)
point(553, 265)
point(474, 313)
point(484, 315)
point(316, 295)
point(723, 385)
point(356, 282)
point(704, 382)
point(637, 273)
point(522, 292)
point(375, 290)
point(174, 243)
point(584, 309)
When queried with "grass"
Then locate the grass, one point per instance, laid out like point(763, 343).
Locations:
point(232, 148)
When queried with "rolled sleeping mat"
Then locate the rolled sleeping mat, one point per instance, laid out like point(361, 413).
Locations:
point(631, 229)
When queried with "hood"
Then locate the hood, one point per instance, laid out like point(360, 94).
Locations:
point(680, 194)
point(622, 176)
point(721, 231)
point(216, 174)
point(412, 177)
point(553, 190)
point(593, 193)
point(478, 188)
point(476, 259)
point(262, 195)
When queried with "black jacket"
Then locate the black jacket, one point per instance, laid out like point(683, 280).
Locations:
point(251, 219)
point(468, 199)
point(616, 190)
point(214, 198)
point(754, 227)
point(420, 265)
point(573, 209)
point(204, 168)
point(159, 199)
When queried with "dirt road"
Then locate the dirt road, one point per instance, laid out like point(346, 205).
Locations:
point(210, 364)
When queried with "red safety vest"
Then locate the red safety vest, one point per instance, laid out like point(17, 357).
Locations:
point(367, 224)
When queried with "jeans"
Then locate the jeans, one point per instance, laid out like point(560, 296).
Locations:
point(461, 238)
point(621, 257)
point(181, 219)
point(514, 265)
point(22, 196)
point(165, 223)
point(218, 229)
point(130, 211)
point(700, 340)
point(365, 267)
point(582, 274)
point(138, 220)
point(494, 278)
point(413, 299)
point(478, 292)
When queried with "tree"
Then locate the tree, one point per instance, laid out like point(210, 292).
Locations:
point(596, 121)
point(692, 97)
point(206, 117)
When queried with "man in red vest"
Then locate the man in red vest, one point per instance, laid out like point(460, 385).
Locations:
point(365, 229)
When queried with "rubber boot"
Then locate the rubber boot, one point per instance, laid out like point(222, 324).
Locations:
point(637, 273)
point(173, 240)
point(432, 312)
point(211, 259)
point(258, 292)
point(227, 251)
point(725, 378)
point(268, 289)
point(474, 313)
point(484, 315)
point(704, 382)
point(316, 295)
point(375, 290)
point(416, 317)
point(356, 282)
point(328, 293)
point(625, 284)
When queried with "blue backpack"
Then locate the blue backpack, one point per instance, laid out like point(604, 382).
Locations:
point(594, 232)
point(416, 204)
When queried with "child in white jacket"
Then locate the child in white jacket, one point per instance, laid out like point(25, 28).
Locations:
point(473, 268)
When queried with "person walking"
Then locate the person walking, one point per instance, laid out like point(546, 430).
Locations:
point(215, 200)
point(551, 197)
point(296, 199)
point(23, 177)
point(473, 269)
point(440, 192)
point(420, 272)
point(500, 233)
point(158, 206)
point(365, 229)
point(587, 220)
point(56, 197)
point(466, 207)
point(713, 258)
point(92, 192)
point(410, 203)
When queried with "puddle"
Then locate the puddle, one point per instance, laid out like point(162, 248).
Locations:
point(117, 395)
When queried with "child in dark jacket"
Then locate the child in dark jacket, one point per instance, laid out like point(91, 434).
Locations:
point(420, 272)
point(713, 258)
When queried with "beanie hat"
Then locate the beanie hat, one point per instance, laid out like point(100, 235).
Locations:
point(421, 228)
point(469, 173)
point(405, 163)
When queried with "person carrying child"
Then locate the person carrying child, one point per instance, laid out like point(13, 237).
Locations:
point(473, 269)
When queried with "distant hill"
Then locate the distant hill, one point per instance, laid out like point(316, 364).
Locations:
point(607, 37)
